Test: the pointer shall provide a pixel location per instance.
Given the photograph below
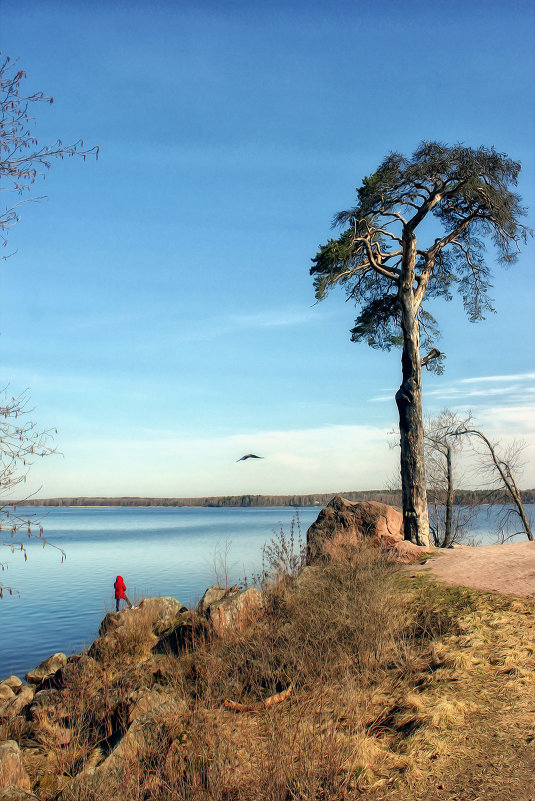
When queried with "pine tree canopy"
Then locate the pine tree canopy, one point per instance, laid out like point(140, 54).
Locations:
point(465, 196)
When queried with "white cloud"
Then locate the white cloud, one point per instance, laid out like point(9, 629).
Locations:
point(513, 377)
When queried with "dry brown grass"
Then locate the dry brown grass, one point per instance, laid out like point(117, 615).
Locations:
point(401, 689)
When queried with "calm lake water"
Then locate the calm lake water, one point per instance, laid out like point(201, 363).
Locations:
point(158, 551)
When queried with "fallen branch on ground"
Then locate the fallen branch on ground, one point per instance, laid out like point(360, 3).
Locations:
point(267, 702)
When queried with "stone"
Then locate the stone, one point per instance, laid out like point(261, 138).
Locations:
point(6, 694)
point(110, 622)
point(154, 615)
point(212, 595)
point(182, 635)
point(14, 682)
point(344, 522)
point(145, 701)
point(164, 611)
point(13, 793)
point(408, 553)
point(235, 612)
point(142, 728)
point(12, 771)
point(46, 669)
point(105, 779)
point(19, 702)
point(76, 667)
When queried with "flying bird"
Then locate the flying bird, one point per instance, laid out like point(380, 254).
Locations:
point(249, 456)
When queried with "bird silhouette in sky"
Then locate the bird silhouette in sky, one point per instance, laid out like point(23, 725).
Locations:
point(249, 456)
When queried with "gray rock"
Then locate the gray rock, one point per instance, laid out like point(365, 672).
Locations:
point(212, 595)
point(49, 702)
point(12, 771)
point(142, 728)
point(46, 669)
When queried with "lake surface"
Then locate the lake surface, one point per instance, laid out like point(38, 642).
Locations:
point(158, 551)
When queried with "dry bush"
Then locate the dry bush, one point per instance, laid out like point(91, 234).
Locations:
point(14, 727)
point(328, 631)
point(330, 620)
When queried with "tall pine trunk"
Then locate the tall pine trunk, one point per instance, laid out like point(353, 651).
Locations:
point(409, 403)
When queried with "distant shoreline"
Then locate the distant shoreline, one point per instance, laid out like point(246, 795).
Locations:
point(391, 497)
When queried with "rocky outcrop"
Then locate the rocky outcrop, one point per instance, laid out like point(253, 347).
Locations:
point(12, 772)
point(124, 685)
point(344, 522)
point(152, 713)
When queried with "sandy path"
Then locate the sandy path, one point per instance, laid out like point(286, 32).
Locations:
point(509, 569)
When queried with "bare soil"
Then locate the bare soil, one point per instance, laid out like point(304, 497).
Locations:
point(508, 569)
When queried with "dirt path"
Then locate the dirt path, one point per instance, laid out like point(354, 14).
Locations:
point(509, 569)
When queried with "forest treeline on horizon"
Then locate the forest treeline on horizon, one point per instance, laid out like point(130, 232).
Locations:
point(391, 497)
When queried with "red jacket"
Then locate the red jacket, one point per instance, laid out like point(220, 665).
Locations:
point(120, 588)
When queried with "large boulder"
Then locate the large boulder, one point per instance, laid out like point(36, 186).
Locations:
point(46, 669)
point(50, 703)
point(344, 522)
point(160, 708)
point(160, 613)
point(229, 608)
point(12, 772)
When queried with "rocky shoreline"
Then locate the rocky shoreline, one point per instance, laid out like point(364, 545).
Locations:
point(77, 719)
point(141, 638)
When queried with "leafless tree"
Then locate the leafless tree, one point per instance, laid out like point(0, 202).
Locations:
point(20, 444)
point(499, 465)
point(448, 521)
point(22, 159)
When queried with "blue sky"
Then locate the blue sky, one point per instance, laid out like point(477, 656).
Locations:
point(159, 305)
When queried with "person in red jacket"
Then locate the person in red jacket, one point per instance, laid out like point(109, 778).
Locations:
point(120, 593)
